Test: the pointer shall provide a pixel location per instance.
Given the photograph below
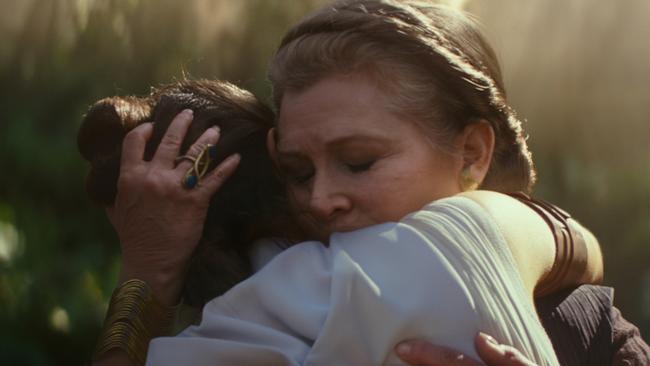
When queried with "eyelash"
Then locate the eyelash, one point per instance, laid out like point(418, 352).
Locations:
point(301, 180)
point(359, 168)
point(298, 179)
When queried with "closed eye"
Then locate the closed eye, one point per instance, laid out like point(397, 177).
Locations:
point(358, 168)
point(299, 178)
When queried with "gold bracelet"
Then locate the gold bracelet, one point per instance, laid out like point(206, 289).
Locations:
point(134, 317)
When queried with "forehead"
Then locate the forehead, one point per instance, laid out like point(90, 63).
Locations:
point(337, 108)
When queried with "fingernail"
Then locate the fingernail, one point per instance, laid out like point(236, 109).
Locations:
point(216, 128)
point(489, 339)
point(189, 112)
point(233, 159)
point(403, 349)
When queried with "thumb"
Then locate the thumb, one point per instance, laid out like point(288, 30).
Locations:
point(423, 353)
point(493, 353)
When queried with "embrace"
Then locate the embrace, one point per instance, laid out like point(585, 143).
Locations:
point(382, 215)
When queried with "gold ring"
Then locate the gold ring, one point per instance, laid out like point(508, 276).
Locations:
point(184, 157)
point(199, 167)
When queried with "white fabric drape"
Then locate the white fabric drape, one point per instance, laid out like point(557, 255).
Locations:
point(443, 274)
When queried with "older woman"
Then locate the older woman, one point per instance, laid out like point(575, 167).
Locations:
point(384, 107)
point(243, 210)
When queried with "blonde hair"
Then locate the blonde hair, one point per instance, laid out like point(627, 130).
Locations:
point(433, 61)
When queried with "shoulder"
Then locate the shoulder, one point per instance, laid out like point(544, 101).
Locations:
point(456, 211)
point(282, 282)
point(488, 208)
point(294, 264)
point(525, 232)
point(516, 221)
point(289, 294)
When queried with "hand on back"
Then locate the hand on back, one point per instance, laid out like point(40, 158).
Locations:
point(422, 353)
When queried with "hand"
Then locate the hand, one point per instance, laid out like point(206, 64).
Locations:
point(158, 221)
point(422, 353)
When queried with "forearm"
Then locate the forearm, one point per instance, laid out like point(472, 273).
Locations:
point(165, 286)
point(135, 315)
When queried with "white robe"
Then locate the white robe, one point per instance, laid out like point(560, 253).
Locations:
point(442, 274)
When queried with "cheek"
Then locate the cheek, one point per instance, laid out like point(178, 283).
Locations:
point(387, 198)
point(298, 198)
point(411, 186)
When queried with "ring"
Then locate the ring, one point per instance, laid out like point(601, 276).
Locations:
point(200, 166)
point(184, 157)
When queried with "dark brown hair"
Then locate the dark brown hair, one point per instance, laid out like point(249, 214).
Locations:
point(248, 206)
point(437, 67)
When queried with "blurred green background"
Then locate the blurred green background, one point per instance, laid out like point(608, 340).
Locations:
point(577, 70)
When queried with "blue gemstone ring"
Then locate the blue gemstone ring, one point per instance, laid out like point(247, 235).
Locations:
point(200, 165)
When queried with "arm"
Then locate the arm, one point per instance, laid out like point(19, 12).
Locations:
point(533, 245)
point(627, 345)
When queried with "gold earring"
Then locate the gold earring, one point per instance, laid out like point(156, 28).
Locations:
point(467, 182)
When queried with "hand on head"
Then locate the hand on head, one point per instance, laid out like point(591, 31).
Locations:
point(158, 217)
point(158, 221)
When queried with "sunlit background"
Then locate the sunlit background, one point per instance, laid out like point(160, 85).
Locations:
point(577, 70)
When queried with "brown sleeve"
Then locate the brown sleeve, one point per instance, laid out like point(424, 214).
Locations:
point(629, 348)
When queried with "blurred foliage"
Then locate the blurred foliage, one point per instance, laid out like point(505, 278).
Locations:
point(59, 256)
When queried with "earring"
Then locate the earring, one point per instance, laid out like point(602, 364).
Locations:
point(467, 182)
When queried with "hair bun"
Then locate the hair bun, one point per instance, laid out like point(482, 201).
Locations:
point(100, 141)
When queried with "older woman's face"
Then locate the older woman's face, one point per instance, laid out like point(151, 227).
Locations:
point(350, 163)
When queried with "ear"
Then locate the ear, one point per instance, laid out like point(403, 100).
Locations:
point(476, 144)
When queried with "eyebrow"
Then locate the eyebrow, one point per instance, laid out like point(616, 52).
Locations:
point(339, 143)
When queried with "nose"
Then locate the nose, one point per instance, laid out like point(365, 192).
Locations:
point(328, 199)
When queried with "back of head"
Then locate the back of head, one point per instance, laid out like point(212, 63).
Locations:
point(248, 206)
point(433, 62)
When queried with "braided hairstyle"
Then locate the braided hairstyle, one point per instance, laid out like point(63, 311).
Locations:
point(432, 61)
point(248, 206)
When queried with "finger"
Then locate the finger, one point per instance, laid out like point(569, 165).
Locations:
point(495, 354)
point(216, 178)
point(210, 136)
point(134, 144)
point(171, 143)
point(422, 353)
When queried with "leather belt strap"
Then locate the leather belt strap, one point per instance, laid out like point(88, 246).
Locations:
point(571, 250)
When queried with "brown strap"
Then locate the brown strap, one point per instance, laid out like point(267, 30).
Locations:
point(571, 250)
